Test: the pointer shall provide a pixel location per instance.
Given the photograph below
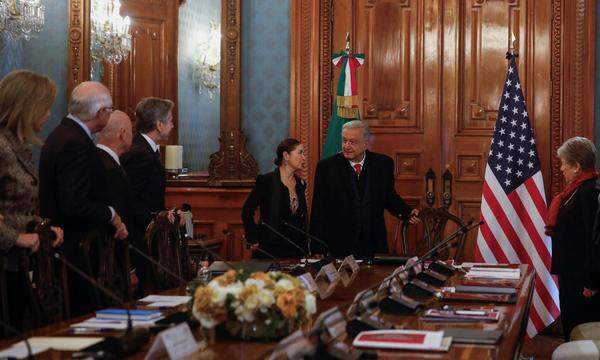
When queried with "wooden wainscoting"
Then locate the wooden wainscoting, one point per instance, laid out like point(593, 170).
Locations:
point(216, 211)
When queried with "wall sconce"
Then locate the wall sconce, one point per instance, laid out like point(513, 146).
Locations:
point(21, 18)
point(206, 70)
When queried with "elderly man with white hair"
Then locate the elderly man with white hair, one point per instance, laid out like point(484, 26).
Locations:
point(352, 190)
point(72, 192)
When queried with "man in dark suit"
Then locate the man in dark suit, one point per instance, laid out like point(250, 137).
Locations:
point(352, 188)
point(146, 174)
point(113, 141)
point(72, 191)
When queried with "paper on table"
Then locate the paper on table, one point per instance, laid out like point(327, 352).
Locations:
point(164, 304)
point(20, 351)
point(74, 343)
point(493, 275)
point(95, 323)
point(166, 298)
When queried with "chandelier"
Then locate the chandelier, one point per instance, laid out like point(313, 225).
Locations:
point(21, 18)
point(206, 68)
point(110, 38)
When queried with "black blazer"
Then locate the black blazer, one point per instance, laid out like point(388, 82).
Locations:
point(574, 251)
point(273, 198)
point(72, 184)
point(118, 193)
point(146, 176)
point(347, 212)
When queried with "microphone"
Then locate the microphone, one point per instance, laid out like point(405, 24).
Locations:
point(289, 241)
point(9, 327)
point(128, 343)
point(217, 256)
point(264, 252)
point(310, 236)
point(154, 262)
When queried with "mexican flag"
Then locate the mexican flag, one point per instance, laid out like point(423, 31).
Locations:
point(347, 101)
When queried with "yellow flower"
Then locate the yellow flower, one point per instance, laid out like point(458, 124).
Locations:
point(259, 275)
point(247, 292)
point(286, 302)
point(227, 278)
point(202, 299)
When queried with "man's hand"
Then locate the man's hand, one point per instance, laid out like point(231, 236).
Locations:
point(414, 217)
point(181, 214)
point(589, 293)
point(1, 217)
point(58, 232)
point(29, 241)
point(120, 228)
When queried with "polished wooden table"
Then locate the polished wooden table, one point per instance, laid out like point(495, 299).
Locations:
point(512, 322)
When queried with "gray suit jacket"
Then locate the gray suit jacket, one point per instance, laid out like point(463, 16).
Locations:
point(18, 196)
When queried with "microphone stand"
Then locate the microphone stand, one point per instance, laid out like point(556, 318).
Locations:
point(154, 262)
point(283, 237)
point(18, 334)
point(310, 236)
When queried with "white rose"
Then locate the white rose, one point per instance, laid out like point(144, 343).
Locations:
point(266, 298)
point(285, 285)
point(311, 304)
point(258, 283)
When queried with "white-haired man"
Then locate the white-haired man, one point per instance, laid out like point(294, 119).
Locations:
point(72, 190)
point(352, 189)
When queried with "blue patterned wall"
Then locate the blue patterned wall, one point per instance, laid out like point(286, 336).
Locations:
point(265, 77)
point(46, 54)
point(199, 120)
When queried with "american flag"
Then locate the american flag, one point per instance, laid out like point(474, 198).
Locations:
point(513, 203)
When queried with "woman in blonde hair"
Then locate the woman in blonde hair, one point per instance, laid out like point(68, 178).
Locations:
point(25, 102)
point(570, 223)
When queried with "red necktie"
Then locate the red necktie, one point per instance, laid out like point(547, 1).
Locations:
point(357, 168)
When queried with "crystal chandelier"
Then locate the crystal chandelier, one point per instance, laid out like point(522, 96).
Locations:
point(21, 18)
point(110, 38)
point(206, 68)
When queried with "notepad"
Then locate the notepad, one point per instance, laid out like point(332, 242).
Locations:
point(121, 314)
point(166, 298)
point(403, 339)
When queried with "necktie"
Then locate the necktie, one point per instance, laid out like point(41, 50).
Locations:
point(357, 169)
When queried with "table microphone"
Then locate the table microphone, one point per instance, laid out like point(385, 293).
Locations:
point(129, 343)
point(154, 262)
point(264, 252)
point(217, 256)
point(10, 328)
point(288, 240)
point(310, 236)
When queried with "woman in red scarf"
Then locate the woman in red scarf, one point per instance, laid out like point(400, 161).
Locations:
point(570, 223)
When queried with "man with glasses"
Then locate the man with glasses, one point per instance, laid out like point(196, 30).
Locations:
point(72, 192)
point(352, 188)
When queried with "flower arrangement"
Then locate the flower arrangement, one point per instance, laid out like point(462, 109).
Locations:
point(260, 305)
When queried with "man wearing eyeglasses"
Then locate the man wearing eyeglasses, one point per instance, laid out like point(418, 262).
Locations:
point(352, 190)
point(73, 193)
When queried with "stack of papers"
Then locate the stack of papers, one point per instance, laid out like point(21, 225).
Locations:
point(41, 344)
point(164, 301)
point(136, 314)
point(101, 325)
point(403, 339)
point(494, 273)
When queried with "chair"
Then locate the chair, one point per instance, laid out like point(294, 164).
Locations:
point(169, 247)
point(578, 350)
point(434, 222)
point(106, 259)
point(586, 331)
point(49, 281)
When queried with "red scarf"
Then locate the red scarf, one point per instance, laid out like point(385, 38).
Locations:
point(564, 196)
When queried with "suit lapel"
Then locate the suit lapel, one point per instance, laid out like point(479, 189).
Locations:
point(348, 179)
point(365, 174)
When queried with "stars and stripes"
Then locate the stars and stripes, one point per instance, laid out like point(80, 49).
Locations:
point(513, 203)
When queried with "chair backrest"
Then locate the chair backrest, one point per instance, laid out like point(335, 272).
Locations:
point(106, 259)
point(49, 279)
point(434, 222)
point(169, 247)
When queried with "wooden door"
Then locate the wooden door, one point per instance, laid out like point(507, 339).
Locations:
point(432, 82)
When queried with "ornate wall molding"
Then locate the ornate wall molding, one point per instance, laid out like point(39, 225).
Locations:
point(78, 57)
point(232, 165)
point(555, 115)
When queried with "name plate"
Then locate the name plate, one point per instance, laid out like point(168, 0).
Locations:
point(327, 279)
point(308, 282)
point(295, 346)
point(348, 270)
point(178, 342)
point(330, 324)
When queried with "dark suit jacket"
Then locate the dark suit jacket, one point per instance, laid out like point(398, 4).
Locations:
point(273, 198)
point(118, 193)
point(574, 252)
point(146, 176)
point(72, 184)
point(347, 212)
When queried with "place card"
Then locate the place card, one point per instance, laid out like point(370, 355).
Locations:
point(348, 270)
point(178, 342)
point(327, 280)
point(330, 324)
point(294, 346)
point(308, 282)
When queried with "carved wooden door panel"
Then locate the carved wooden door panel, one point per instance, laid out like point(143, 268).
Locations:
point(432, 83)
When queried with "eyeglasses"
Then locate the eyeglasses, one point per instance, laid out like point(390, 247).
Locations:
point(109, 109)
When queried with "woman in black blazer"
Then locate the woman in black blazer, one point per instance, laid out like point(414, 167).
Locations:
point(570, 222)
point(280, 195)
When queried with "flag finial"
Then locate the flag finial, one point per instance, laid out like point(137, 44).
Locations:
point(348, 48)
point(512, 52)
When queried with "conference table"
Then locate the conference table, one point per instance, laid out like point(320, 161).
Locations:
point(512, 323)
